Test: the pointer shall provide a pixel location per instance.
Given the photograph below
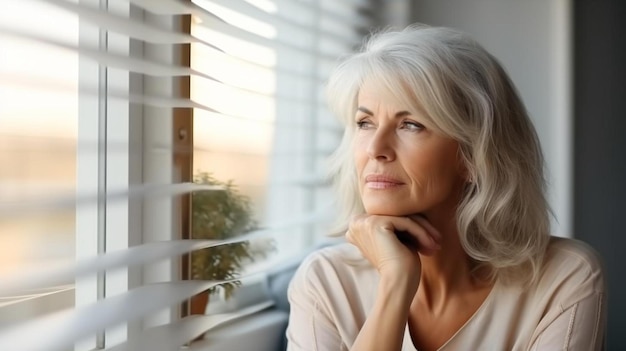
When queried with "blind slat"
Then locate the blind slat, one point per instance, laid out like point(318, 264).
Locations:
point(159, 101)
point(290, 153)
point(70, 201)
point(170, 336)
point(61, 329)
point(152, 34)
point(279, 70)
point(140, 254)
point(180, 7)
point(350, 20)
point(138, 65)
point(215, 24)
point(122, 25)
point(250, 10)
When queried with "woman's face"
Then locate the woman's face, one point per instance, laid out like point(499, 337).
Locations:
point(404, 167)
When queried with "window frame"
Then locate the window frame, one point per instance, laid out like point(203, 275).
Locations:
point(127, 133)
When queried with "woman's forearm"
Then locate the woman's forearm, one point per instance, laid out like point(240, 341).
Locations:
point(386, 323)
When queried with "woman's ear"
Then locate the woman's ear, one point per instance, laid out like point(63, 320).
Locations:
point(464, 172)
point(469, 178)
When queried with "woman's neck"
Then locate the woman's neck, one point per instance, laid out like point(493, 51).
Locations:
point(450, 272)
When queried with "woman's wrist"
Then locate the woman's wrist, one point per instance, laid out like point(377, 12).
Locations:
point(398, 288)
point(386, 322)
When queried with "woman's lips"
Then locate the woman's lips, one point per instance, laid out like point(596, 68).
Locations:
point(381, 181)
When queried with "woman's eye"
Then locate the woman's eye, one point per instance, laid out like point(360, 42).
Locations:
point(364, 124)
point(412, 126)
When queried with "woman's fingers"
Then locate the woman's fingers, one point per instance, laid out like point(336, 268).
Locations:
point(371, 233)
point(429, 227)
point(421, 233)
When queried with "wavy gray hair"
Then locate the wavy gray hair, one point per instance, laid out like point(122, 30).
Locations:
point(503, 219)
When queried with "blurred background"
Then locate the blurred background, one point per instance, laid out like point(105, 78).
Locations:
point(249, 109)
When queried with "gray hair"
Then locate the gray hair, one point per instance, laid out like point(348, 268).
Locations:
point(503, 219)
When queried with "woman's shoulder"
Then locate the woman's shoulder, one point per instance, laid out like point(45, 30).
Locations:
point(333, 268)
point(336, 254)
point(572, 270)
point(581, 258)
point(342, 259)
point(332, 289)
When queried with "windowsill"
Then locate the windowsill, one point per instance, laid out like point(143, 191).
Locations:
point(262, 331)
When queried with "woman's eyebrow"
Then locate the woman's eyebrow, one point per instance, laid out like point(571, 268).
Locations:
point(399, 114)
point(364, 110)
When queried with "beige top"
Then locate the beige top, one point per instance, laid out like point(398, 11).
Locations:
point(332, 293)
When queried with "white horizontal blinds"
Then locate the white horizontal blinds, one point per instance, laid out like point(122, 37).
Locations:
point(270, 59)
point(314, 142)
point(227, 147)
point(37, 152)
point(260, 121)
point(51, 275)
point(60, 329)
point(26, 206)
point(63, 328)
point(171, 336)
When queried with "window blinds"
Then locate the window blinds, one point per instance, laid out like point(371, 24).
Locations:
point(259, 68)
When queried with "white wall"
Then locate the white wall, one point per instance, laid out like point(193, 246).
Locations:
point(531, 38)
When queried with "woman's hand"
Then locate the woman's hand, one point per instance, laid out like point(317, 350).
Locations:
point(391, 244)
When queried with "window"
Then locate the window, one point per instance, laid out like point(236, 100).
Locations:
point(256, 80)
point(38, 136)
point(263, 123)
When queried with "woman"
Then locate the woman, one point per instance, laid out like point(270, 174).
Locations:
point(449, 248)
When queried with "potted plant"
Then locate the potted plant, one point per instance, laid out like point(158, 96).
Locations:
point(220, 215)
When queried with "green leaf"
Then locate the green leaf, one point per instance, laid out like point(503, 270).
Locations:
point(222, 215)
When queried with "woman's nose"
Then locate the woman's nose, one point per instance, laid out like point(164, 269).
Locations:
point(381, 147)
